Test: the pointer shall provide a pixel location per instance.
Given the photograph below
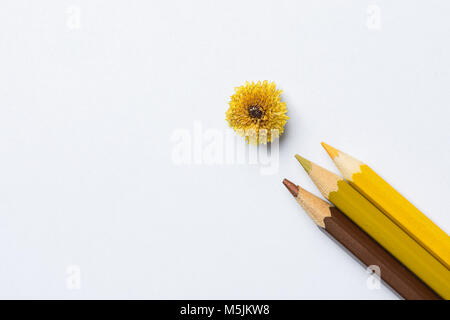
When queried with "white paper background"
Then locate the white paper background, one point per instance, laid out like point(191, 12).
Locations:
point(86, 115)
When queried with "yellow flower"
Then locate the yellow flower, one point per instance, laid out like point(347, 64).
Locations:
point(256, 112)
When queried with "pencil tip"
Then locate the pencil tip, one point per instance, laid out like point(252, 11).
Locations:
point(291, 187)
point(331, 151)
point(306, 164)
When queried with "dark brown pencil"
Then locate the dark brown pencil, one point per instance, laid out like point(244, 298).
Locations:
point(367, 250)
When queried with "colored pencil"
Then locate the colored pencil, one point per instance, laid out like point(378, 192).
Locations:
point(380, 228)
point(363, 247)
point(393, 204)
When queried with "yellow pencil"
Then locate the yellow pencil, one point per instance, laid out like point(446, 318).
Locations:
point(393, 204)
point(380, 228)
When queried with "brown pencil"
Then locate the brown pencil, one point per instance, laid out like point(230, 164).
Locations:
point(367, 250)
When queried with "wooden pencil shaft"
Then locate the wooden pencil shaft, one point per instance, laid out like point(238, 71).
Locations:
point(362, 246)
point(369, 252)
point(403, 213)
point(392, 238)
point(393, 205)
point(381, 228)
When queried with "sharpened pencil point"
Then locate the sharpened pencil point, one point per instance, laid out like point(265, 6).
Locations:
point(291, 187)
point(331, 151)
point(306, 164)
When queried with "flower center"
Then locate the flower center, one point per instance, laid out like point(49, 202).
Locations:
point(255, 112)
